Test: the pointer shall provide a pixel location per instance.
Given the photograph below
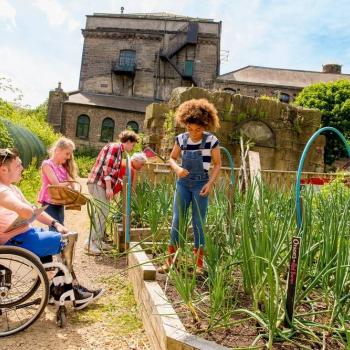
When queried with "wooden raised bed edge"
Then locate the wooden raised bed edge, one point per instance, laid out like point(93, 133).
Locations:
point(163, 327)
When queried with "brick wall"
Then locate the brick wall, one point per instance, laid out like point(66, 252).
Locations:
point(71, 112)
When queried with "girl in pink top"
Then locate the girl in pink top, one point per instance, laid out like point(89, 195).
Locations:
point(57, 170)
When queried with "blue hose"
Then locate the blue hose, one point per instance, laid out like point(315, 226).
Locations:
point(301, 165)
point(128, 201)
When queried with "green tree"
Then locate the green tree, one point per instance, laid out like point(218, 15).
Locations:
point(333, 100)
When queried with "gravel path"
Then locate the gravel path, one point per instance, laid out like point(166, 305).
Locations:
point(111, 323)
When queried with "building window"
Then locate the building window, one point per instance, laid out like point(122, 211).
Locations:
point(133, 126)
point(107, 130)
point(232, 91)
point(127, 58)
point(83, 126)
point(284, 97)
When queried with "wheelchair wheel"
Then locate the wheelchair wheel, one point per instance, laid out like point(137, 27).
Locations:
point(61, 317)
point(24, 289)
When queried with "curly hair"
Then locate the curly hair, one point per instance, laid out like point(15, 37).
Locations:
point(200, 112)
point(128, 135)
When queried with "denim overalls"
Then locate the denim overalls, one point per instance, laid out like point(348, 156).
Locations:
point(187, 191)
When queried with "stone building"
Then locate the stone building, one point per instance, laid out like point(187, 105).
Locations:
point(129, 61)
point(132, 60)
point(275, 82)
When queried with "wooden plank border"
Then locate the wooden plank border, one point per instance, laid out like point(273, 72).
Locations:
point(163, 327)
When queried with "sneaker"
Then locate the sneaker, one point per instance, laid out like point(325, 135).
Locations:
point(56, 292)
point(91, 249)
point(104, 246)
point(82, 298)
point(97, 293)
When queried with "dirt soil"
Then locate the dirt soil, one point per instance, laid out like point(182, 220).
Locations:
point(113, 322)
point(239, 336)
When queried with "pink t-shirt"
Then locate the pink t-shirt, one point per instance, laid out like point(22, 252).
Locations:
point(8, 216)
point(61, 174)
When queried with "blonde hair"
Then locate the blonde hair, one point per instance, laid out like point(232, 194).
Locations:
point(70, 165)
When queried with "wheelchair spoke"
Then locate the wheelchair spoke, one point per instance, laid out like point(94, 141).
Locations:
point(25, 290)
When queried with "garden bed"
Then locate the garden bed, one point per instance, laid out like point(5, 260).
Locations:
point(241, 301)
point(170, 325)
point(164, 328)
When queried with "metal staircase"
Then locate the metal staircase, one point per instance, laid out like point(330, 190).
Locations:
point(185, 37)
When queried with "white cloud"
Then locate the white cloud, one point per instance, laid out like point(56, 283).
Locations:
point(34, 74)
point(7, 14)
point(56, 14)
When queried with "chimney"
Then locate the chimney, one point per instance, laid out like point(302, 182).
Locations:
point(333, 68)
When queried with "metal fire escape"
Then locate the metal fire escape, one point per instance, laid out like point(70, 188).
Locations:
point(188, 36)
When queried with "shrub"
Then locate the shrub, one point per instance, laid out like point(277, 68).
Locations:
point(333, 100)
point(32, 119)
point(31, 182)
point(85, 164)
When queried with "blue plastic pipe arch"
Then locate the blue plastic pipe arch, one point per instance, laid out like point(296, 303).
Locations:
point(301, 165)
point(128, 200)
point(230, 159)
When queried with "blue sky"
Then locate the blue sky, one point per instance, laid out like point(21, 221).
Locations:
point(41, 41)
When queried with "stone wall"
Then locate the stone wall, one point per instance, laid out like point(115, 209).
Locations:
point(278, 131)
point(256, 90)
point(71, 112)
point(106, 36)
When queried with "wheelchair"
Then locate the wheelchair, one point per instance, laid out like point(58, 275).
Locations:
point(25, 286)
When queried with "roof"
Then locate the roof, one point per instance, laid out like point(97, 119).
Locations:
point(153, 15)
point(279, 76)
point(109, 101)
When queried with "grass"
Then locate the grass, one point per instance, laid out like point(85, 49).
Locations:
point(117, 309)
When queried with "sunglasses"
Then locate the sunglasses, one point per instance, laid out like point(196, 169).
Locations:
point(5, 153)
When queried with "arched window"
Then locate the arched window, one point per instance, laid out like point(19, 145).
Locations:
point(133, 126)
point(228, 89)
point(83, 126)
point(284, 97)
point(107, 130)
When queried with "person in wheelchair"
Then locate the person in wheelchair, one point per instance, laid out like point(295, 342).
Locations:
point(43, 243)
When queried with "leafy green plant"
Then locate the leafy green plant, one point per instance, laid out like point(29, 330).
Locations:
point(333, 100)
point(31, 182)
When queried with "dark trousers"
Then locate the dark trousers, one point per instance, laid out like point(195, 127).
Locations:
point(57, 212)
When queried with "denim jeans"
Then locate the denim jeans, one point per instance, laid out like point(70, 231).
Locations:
point(57, 212)
point(187, 192)
point(41, 242)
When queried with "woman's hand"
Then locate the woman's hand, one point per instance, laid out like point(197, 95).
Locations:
point(206, 189)
point(182, 172)
point(60, 228)
point(109, 194)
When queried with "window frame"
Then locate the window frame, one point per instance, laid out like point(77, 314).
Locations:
point(103, 127)
point(133, 122)
point(82, 129)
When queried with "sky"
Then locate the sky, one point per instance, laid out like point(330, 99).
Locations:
point(41, 41)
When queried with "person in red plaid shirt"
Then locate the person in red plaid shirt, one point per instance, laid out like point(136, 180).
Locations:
point(102, 179)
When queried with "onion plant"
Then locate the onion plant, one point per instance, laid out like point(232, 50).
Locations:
point(247, 252)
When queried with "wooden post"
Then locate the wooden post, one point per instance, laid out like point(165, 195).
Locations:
point(255, 171)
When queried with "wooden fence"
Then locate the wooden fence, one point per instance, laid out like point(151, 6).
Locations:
point(277, 179)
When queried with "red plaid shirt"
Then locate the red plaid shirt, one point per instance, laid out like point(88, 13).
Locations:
point(107, 164)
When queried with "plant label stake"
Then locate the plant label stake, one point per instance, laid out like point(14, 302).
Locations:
point(292, 281)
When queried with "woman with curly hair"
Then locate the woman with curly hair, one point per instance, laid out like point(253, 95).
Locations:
point(198, 148)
